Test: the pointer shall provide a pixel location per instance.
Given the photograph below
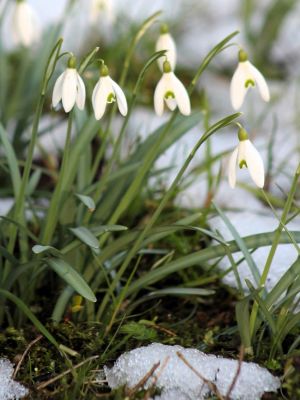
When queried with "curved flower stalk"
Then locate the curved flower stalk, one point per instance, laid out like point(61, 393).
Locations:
point(245, 77)
point(245, 155)
point(171, 91)
point(102, 7)
point(26, 28)
point(69, 88)
point(166, 42)
point(105, 92)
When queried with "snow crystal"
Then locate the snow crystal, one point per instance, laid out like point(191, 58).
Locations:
point(249, 223)
point(9, 389)
point(176, 380)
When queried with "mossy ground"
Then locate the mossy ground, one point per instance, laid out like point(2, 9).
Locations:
point(208, 326)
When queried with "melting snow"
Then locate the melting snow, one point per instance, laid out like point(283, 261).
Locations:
point(176, 380)
point(249, 223)
point(9, 389)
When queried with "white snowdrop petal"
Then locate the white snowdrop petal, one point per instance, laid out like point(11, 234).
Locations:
point(57, 91)
point(260, 81)
point(95, 93)
point(25, 24)
point(35, 24)
point(69, 89)
point(171, 103)
point(159, 96)
point(255, 164)
point(121, 99)
point(232, 165)
point(237, 86)
point(181, 96)
point(101, 92)
point(17, 23)
point(166, 42)
point(81, 94)
point(104, 7)
point(242, 149)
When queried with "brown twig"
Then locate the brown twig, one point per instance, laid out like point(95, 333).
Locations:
point(142, 381)
point(24, 354)
point(238, 370)
point(52, 380)
point(210, 384)
point(163, 366)
point(163, 329)
point(155, 378)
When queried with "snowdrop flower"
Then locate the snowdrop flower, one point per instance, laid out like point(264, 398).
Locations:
point(25, 24)
point(244, 77)
point(246, 155)
point(166, 42)
point(69, 88)
point(171, 91)
point(99, 7)
point(107, 91)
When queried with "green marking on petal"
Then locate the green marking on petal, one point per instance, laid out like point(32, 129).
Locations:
point(169, 95)
point(249, 82)
point(111, 98)
point(243, 164)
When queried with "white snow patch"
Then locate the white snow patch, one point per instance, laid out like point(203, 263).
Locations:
point(5, 205)
point(9, 389)
point(176, 380)
point(250, 223)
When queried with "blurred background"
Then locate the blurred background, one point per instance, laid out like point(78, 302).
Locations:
point(269, 32)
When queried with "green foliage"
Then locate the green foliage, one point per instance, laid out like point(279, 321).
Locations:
point(96, 259)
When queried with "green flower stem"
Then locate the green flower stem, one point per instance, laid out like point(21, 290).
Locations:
point(214, 128)
point(141, 32)
point(118, 143)
point(100, 154)
point(202, 256)
point(134, 187)
point(149, 159)
point(53, 212)
point(19, 211)
point(55, 204)
point(275, 244)
point(136, 39)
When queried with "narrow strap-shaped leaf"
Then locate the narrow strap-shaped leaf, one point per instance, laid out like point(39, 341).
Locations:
point(210, 253)
point(87, 201)
point(11, 160)
point(22, 306)
point(253, 267)
point(72, 278)
point(85, 236)
point(243, 320)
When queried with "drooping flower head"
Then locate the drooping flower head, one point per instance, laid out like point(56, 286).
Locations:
point(246, 76)
point(105, 92)
point(245, 155)
point(69, 88)
point(171, 91)
point(166, 42)
point(26, 29)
